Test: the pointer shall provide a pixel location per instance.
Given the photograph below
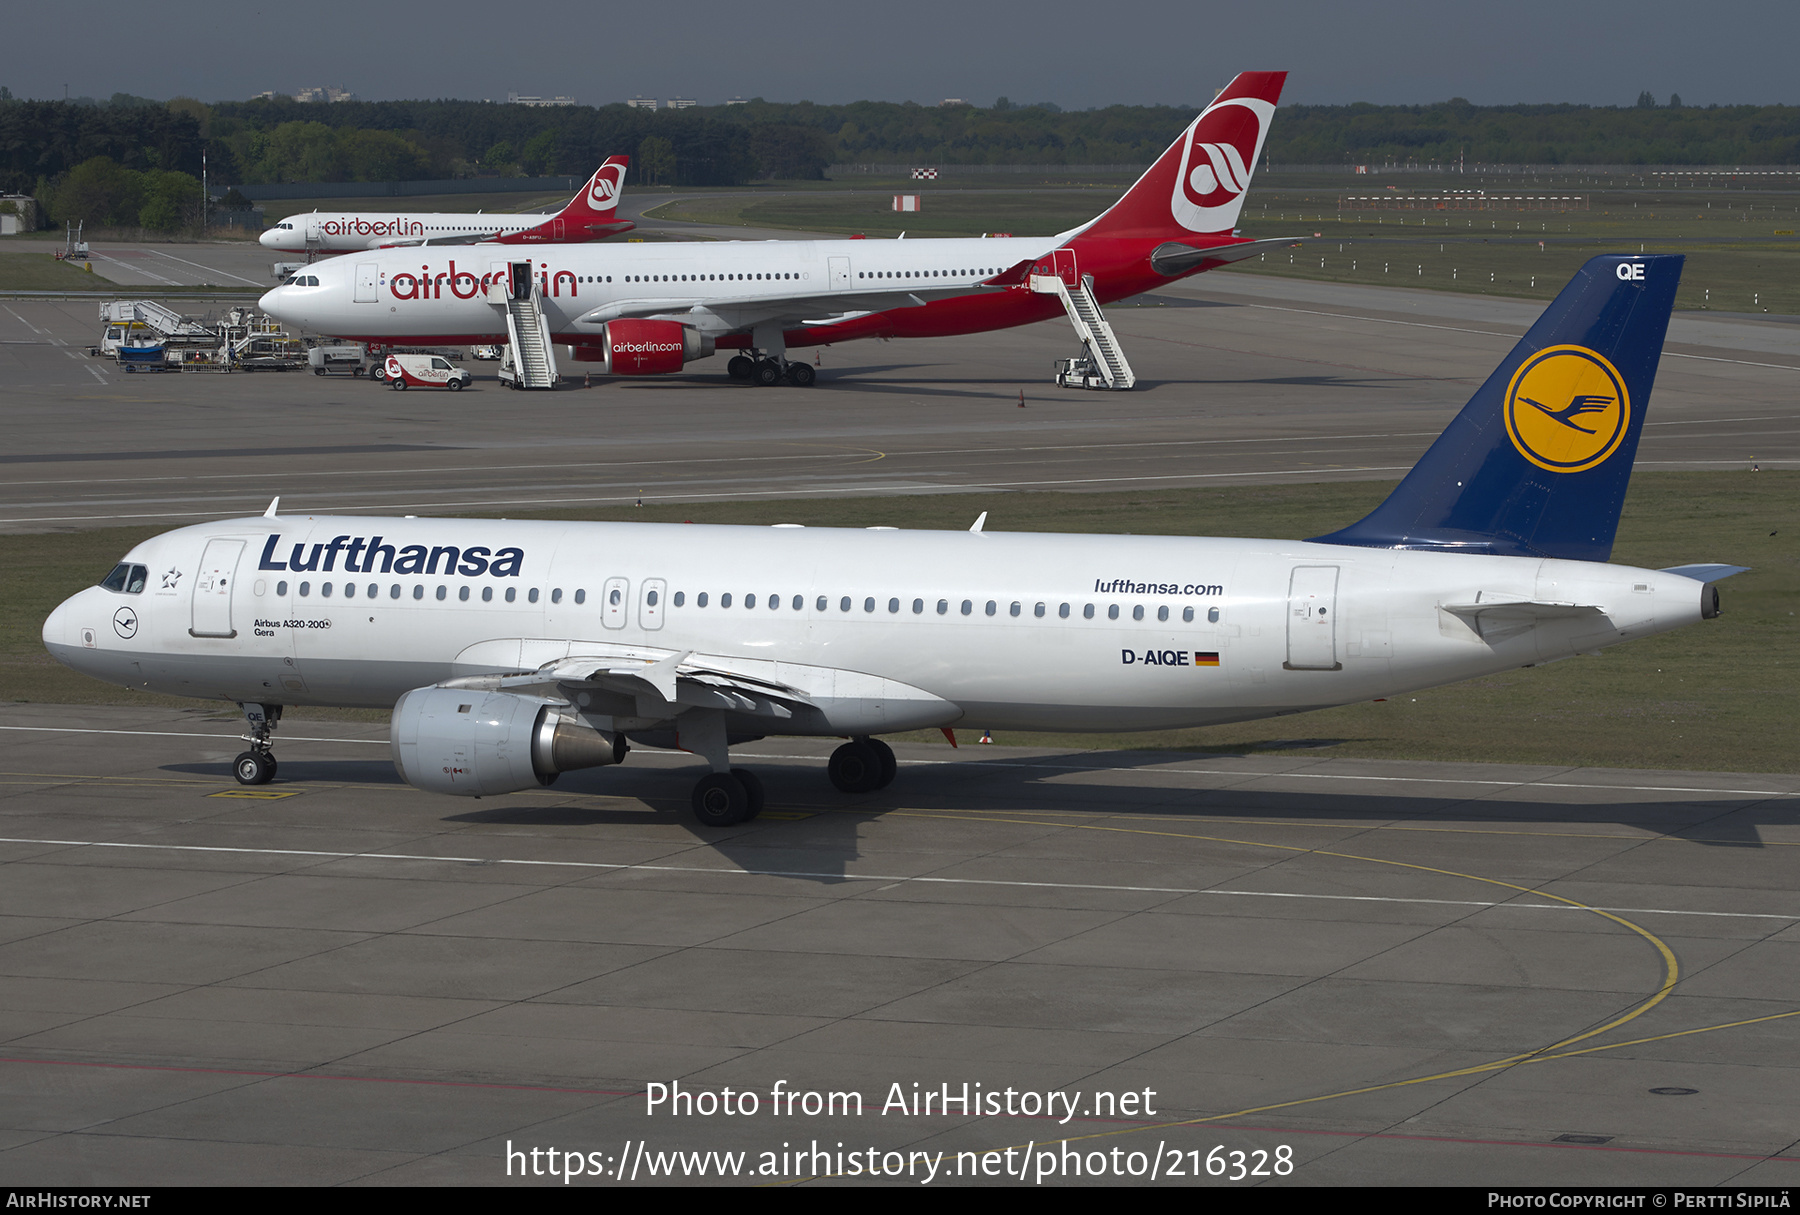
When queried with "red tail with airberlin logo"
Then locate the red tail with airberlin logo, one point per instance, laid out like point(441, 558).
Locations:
point(601, 198)
point(589, 215)
point(1198, 185)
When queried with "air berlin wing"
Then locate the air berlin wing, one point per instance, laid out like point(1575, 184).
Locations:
point(738, 313)
point(467, 238)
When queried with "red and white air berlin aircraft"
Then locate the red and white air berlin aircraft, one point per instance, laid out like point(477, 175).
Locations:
point(589, 216)
point(645, 309)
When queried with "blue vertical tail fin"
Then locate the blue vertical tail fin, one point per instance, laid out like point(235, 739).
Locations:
point(1537, 462)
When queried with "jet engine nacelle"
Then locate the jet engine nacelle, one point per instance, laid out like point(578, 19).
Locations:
point(475, 743)
point(639, 347)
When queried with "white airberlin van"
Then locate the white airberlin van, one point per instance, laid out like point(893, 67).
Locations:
point(425, 371)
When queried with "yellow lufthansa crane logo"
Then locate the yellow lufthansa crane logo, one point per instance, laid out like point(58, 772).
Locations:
point(1567, 409)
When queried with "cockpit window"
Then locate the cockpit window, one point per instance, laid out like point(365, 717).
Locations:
point(127, 579)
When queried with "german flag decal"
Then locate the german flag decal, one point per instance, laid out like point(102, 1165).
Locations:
point(1206, 658)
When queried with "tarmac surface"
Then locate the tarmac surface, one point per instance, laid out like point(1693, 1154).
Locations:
point(1372, 972)
point(1242, 379)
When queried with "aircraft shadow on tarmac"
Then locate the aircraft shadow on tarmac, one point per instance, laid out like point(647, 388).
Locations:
point(819, 828)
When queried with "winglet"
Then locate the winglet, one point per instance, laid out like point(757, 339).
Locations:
point(976, 526)
point(270, 513)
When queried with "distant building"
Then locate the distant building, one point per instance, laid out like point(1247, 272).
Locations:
point(324, 94)
point(271, 95)
point(953, 101)
point(680, 103)
point(18, 213)
point(522, 99)
point(642, 103)
point(737, 101)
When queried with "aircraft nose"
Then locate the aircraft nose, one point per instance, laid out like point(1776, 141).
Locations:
point(267, 239)
point(63, 628)
point(270, 300)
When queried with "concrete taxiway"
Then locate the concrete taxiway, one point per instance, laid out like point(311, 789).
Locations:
point(1242, 379)
point(1379, 972)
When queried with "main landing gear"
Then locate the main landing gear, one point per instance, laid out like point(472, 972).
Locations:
point(862, 765)
point(727, 796)
point(257, 765)
point(767, 372)
point(724, 799)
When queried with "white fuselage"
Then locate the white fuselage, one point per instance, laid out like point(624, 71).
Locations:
point(347, 231)
point(1059, 632)
point(443, 291)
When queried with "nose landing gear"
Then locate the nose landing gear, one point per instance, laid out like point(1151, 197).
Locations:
point(257, 765)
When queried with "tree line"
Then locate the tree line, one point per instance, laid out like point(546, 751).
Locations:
point(42, 143)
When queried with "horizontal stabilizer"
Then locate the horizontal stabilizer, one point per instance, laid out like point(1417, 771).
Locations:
point(1706, 573)
point(1173, 258)
point(1524, 609)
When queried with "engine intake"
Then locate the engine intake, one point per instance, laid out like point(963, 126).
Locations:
point(476, 743)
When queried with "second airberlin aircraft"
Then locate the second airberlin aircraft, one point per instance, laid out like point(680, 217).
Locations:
point(645, 309)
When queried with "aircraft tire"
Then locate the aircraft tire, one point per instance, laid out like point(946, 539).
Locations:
point(889, 765)
point(855, 767)
point(753, 788)
point(740, 367)
point(801, 375)
point(720, 800)
point(766, 374)
point(253, 768)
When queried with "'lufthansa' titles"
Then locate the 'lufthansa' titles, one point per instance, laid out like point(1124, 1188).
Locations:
point(372, 556)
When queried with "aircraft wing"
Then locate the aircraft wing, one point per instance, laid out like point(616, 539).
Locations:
point(726, 316)
point(467, 238)
point(659, 684)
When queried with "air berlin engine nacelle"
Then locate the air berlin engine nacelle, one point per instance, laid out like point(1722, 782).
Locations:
point(635, 347)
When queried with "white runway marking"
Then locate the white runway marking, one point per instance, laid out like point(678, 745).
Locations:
point(131, 269)
point(209, 269)
point(885, 878)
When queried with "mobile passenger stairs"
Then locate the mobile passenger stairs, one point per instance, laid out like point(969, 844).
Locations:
point(141, 323)
point(1101, 364)
point(529, 360)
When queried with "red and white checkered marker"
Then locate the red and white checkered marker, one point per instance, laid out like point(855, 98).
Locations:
point(924, 174)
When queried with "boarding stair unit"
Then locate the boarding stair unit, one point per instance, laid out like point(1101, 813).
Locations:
point(1102, 364)
point(529, 360)
point(165, 323)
